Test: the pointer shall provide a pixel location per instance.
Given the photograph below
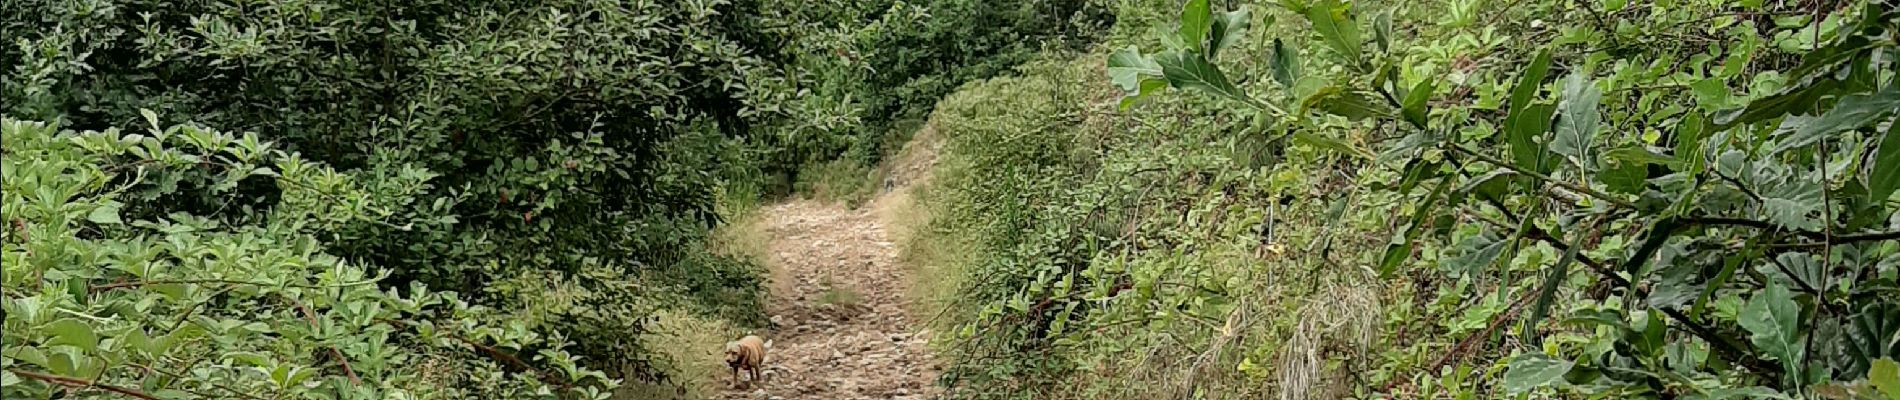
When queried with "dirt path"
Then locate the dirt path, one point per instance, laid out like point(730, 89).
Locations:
point(839, 302)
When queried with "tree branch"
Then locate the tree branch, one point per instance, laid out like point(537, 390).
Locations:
point(340, 359)
point(1725, 346)
point(80, 383)
point(1821, 239)
point(110, 286)
point(1535, 175)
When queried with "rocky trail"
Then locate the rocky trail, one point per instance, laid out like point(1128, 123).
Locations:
point(842, 324)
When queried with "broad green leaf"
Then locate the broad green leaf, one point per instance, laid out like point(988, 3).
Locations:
point(1346, 103)
point(1797, 99)
point(72, 332)
point(1196, 19)
point(1525, 122)
point(1191, 71)
point(1340, 30)
point(1285, 63)
point(1475, 253)
point(1773, 321)
point(1884, 374)
point(1594, 317)
point(1639, 155)
point(1531, 371)
point(1417, 170)
point(1492, 185)
point(1328, 143)
point(1382, 30)
point(1675, 285)
point(280, 375)
point(1128, 69)
point(1729, 265)
point(1710, 93)
point(1577, 126)
point(1401, 249)
point(1871, 331)
point(1695, 128)
point(1525, 131)
point(151, 119)
point(1792, 204)
point(105, 214)
point(1414, 108)
point(1148, 88)
point(1229, 27)
point(1648, 340)
point(1852, 112)
point(1622, 176)
point(1885, 176)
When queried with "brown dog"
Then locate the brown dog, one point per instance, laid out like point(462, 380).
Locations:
point(747, 353)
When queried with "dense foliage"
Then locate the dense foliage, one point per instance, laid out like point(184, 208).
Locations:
point(558, 166)
point(112, 287)
point(1700, 207)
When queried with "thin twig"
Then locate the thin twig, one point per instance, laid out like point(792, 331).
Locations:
point(110, 286)
point(176, 375)
point(80, 383)
point(340, 359)
point(1539, 176)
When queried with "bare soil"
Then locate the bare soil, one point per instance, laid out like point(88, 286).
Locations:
point(839, 306)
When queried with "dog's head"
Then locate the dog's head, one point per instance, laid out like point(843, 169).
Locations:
point(733, 355)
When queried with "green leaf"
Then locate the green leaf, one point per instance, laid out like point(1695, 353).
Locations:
point(72, 332)
point(1710, 94)
point(1492, 185)
point(1148, 88)
point(151, 119)
point(1773, 322)
point(1229, 27)
point(1346, 103)
point(1547, 292)
point(1884, 374)
point(1525, 122)
point(1340, 31)
point(1577, 126)
point(1196, 19)
point(1886, 173)
point(1475, 253)
point(1191, 71)
point(1128, 69)
point(1641, 156)
point(1285, 62)
point(1414, 108)
point(1531, 371)
point(1852, 112)
point(1397, 252)
point(1526, 150)
point(1797, 99)
point(105, 214)
point(1417, 170)
point(1792, 203)
point(1622, 176)
point(1327, 143)
point(1382, 30)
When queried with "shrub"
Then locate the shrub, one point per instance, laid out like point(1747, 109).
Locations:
point(114, 285)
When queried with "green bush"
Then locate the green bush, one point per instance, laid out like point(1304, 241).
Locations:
point(114, 285)
point(1371, 200)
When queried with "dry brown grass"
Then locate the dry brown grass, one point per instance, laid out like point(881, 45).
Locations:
point(693, 346)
